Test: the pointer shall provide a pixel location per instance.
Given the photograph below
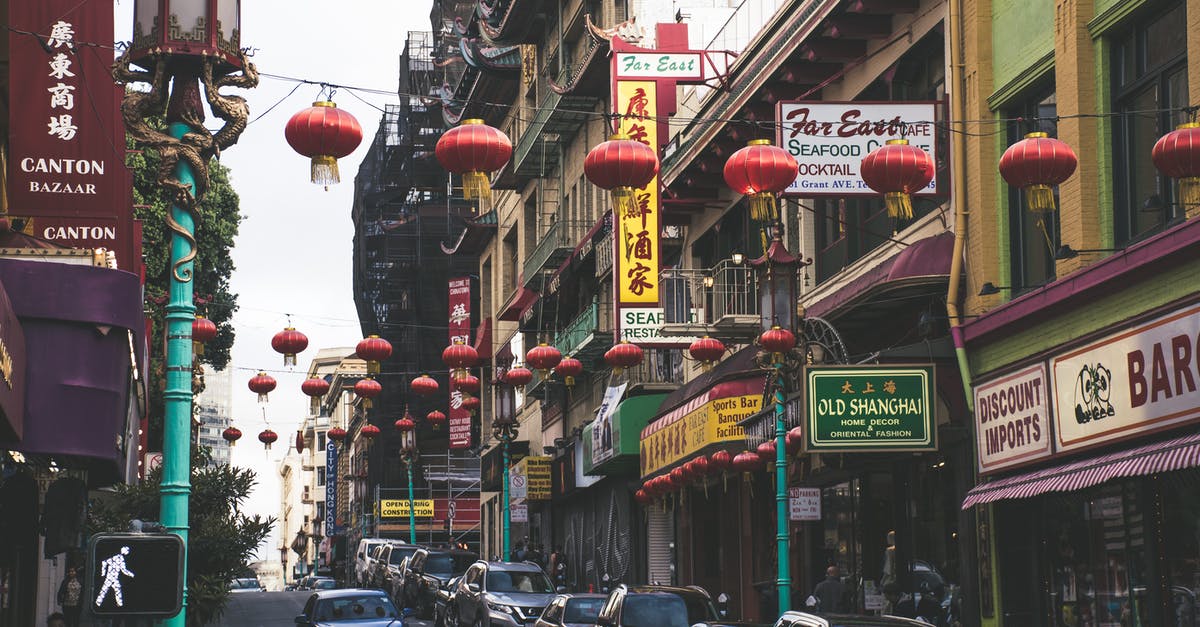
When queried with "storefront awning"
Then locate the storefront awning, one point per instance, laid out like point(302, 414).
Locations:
point(1177, 454)
point(518, 305)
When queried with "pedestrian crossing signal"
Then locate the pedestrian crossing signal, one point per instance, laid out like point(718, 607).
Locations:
point(135, 574)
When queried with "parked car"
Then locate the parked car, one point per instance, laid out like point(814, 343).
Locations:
point(441, 603)
point(363, 558)
point(323, 583)
point(500, 593)
point(426, 572)
point(572, 610)
point(804, 619)
point(391, 558)
point(660, 606)
point(362, 608)
point(245, 584)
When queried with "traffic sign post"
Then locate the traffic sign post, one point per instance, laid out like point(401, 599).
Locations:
point(134, 575)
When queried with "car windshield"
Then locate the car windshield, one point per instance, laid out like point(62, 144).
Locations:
point(398, 554)
point(699, 610)
point(324, 584)
point(353, 608)
point(518, 581)
point(582, 610)
point(448, 564)
point(655, 610)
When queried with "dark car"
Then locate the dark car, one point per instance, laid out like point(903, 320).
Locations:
point(426, 572)
point(572, 610)
point(804, 619)
point(387, 567)
point(363, 608)
point(658, 606)
point(509, 594)
point(442, 600)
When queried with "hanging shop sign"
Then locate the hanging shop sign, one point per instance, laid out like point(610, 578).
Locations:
point(603, 442)
point(830, 139)
point(535, 471)
point(638, 249)
point(678, 65)
point(709, 418)
point(331, 465)
point(1130, 383)
point(870, 409)
point(804, 504)
point(643, 326)
point(459, 322)
point(398, 508)
point(1012, 419)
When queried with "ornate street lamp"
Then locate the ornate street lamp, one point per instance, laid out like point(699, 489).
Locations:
point(408, 456)
point(504, 428)
point(181, 46)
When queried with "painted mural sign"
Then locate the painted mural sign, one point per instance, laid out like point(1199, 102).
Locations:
point(870, 408)
point(711, 417)
point(1136, 381)
point(1012, 415)
point(830, 139)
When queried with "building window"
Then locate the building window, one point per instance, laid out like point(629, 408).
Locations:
point(320, 475)
point(848, 228)
point(1033, 236)
point(321, 441)
point(1149, 83)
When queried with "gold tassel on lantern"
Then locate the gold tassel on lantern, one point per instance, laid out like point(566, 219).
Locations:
point(1039, 198)
point(476, 185)
point(763, 207)
point(324, 171)
point(198, 349)
point(1189, 193)
point(899, 205)
point(623, 201)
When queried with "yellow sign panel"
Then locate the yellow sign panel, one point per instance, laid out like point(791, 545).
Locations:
point(638, 254)
point(536, 469)
point(711, 422)
point(398, 508)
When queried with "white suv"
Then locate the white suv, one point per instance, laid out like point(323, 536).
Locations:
point(363, 559)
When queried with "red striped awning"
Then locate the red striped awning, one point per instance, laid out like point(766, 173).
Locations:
point(1177, 454)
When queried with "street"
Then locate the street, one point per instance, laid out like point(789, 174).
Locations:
point(274, 609)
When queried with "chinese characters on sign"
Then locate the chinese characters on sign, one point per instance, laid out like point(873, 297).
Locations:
point(870, 408)
point(459, 321)
point(638, 229)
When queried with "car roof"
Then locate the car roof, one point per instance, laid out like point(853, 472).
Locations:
point(584, 595)
point(680, 590)
point(855, 619)
point(349, 592)
point(530, 566)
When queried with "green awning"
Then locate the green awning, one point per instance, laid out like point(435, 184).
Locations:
point(628, 420)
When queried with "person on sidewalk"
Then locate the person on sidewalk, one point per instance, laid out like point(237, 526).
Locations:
point(831, 593)
point(70, 597)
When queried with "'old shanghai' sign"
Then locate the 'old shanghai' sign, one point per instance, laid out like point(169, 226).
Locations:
point(869, 409)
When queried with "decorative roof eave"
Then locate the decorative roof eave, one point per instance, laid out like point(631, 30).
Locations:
point(475, 236)
point(598, 47)
point(498, 60)
point(514, 27)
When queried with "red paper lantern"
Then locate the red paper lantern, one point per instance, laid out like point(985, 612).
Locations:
point(324, 134)
point(262, 384)
point(459, 357)
point(794, 440)
point(299, 441)
point(702, 467)
point(543, 357)
point(897, 171)
point(518, 376)
point(337, 434)
point(232, 435)
point(707, 351)
point(766, 451)
point(203, 332)
point(568, 369)
point(373, 349)
point(405, 424)
point(721, 461)
point(470, 403)
point(679, 477)
point(367, 389)
point(1036, 164)
point(777, 340)
point(424, 385)
point(748, 462)
point(666, 484)
point(621, 165)
point(474, 150)
point(315, 388)
point(642, 497)
point(267, 437)
point(435, 417)
point(623, 355)
point(468, 384)
point(761, 171)
point(1177, 155)
point(369, 431)
point(289, 342)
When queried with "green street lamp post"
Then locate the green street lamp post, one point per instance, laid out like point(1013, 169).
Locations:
point(183, 65)
point(777, 289)
point(504, 429)
point(408, 456)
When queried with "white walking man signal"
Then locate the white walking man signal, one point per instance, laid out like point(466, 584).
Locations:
point(111, 570)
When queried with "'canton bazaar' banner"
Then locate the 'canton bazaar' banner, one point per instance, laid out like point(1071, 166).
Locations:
point(66, 170)
point(711, 417)
point(869, 408)
point(638, 262)
point(460, 330)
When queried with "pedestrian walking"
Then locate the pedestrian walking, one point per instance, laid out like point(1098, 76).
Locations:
point(831, 593)
point(70, 598)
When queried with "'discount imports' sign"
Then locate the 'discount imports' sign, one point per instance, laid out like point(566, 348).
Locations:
point(870, 408)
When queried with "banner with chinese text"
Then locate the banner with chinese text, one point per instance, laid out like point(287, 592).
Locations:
point(638, 262)
point(459, 322)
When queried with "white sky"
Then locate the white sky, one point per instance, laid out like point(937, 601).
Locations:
point(293, 253)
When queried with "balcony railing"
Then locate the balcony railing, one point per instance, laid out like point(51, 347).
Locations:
point(660, 370)
point(555, 246)
point(604, 255)
point(589, 334)
point(734, 293)
point(727, 294)
point(556, 119)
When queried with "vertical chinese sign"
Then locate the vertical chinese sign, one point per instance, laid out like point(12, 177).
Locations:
point(638, 262)
point(459, 322)
point(66, 174)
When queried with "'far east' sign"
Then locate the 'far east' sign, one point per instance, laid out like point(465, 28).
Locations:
point(869, 409)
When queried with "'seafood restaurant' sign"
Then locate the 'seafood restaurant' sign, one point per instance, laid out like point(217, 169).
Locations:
point(830, 139)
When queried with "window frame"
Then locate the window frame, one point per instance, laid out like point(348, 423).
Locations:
point(1028, 107)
